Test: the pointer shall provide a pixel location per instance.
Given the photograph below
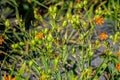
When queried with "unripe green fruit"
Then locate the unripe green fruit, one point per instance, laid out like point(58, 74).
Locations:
point(30, 63)
point(14, 46)
point(91, 53)
point(7, 24)
point(49, 38)
point(85, 2)
point(22, 43)
point(39, 42)
point(64, 23)
point(45, 31)
point(36, 39)
point(33, 42)
point(49, 45)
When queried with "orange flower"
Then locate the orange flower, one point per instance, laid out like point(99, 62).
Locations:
point(1, 40)
point(99, 20)
point(8, 77)
point(39, 35)
point(118, 67)
point(119, 54)
point(103, 36)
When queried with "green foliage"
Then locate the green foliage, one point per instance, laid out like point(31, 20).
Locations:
point(52, 39)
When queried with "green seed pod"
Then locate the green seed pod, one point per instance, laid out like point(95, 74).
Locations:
point(116, 37)
point(96, 11)
point(39, 68)
point(54, 15)
point(36, 32)
point(64, 23)
point(50, 9)
point(7, 24)
point(77, 6)
point(111, 37)
point(110, 53)
point(54, 28)
point(45, 31)
point(100, 10)
point(73, 50)
point(54, 9)
point(77, 22)
point(30, 63)
point(33, 42)
point(84, 56)
point(14, 46)
point(64, 47)
point(39, 42)
point(81, 5)
point(50, 50)
point(36, 39)
point(85, 2)
point(49, 46)
point(50, 38)
point(91, 53)
point(55, 63)
point(22, 43)
point(32, 48)
point(84, 24)
point(67, 15)
point(81, 36)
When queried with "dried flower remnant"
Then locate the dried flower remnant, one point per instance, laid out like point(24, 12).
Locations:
point(93, 73)
point(118, 66)
point(8, 77)
point(1, 40)
point(39, 35)
point(99, 20)
point(103, 36)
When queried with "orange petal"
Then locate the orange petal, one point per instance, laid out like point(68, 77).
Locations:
point(103, 36)
point(99, 20)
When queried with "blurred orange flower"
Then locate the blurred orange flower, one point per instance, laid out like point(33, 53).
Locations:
point(1, 40)
point(39, 35)
point(103, 36)
point(118, 66)
point(119, 54)
point(8, 77)
point(99, 20)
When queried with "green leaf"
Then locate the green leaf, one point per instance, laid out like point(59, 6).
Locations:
point(45, 63)
point(20, 72)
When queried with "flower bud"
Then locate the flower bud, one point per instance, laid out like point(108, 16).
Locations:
point(50, 38)
point(22, 43)
point(64, 23)
point(30, 63)
point(33, 42)
point(85, 2)
point(91, 53)
point(7, 24)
